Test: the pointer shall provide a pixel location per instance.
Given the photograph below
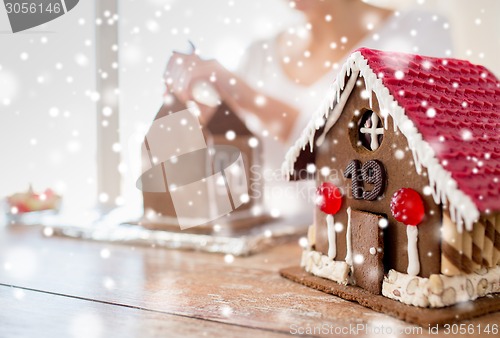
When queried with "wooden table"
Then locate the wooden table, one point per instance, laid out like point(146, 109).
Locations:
point(60, 287)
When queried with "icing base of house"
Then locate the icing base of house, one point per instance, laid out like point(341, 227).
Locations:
point(440, 290)
point(321, 265)
point(435, 292)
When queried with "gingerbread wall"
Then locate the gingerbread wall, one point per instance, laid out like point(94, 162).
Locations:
point(338, 150)
point(223, 120)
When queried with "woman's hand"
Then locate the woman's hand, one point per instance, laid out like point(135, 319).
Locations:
point(184, 71)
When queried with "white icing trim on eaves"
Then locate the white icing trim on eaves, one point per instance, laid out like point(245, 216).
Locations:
point(444, 187)
point(339, 108)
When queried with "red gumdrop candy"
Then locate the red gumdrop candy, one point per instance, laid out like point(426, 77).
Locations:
point(407, 206)
point(329, 198)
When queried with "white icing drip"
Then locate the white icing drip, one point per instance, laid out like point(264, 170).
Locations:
point(445, 189)
point(339, 107)
point(348, 255)
point(418, 166)
point(332, 245)
point(373, 131)
point(413, 261)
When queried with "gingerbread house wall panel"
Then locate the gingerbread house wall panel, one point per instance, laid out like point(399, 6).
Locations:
point(338, 150)
point(252, 159)
point(159, 207)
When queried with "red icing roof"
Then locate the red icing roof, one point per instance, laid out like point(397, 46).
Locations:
point(455, 105)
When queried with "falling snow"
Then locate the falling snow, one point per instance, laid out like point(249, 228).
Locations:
point(63, 128)
point(466, 135)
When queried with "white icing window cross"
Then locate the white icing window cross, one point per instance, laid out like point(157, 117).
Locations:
point(371, 128)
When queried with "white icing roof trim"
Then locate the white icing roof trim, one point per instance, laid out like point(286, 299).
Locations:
point(444, 187)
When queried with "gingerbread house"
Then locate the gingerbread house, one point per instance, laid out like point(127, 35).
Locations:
point(233, 153)
point(405, 151)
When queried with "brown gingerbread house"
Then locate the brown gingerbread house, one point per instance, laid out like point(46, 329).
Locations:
point(403, 137)
point(243, 202)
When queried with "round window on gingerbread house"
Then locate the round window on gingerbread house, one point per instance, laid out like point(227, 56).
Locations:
point(370, 132)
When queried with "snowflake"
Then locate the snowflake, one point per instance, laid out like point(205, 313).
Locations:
point(431, 112)
point(466, 135)
point(228, 258)
point(383, 223)
point(109, 283)
point(105, 253)
point(325, 171)
point(427, 190)
point(230, 135)
point(399, 74)
point(253, 142)
point(87, 325)
point(260, 100)
point(399, 154)
point(359, 259)
point(48, 231)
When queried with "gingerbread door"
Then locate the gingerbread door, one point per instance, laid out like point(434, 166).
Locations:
point(367, 250)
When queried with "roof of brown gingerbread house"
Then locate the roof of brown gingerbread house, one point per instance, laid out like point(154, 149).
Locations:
point(449, 111)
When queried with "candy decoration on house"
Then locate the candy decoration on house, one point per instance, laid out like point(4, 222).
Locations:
point(329, 201)
point(408, 208)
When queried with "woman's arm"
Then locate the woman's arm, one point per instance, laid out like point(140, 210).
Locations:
point(183, 71)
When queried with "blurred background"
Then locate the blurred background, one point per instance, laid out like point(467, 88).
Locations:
point(48, 93)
